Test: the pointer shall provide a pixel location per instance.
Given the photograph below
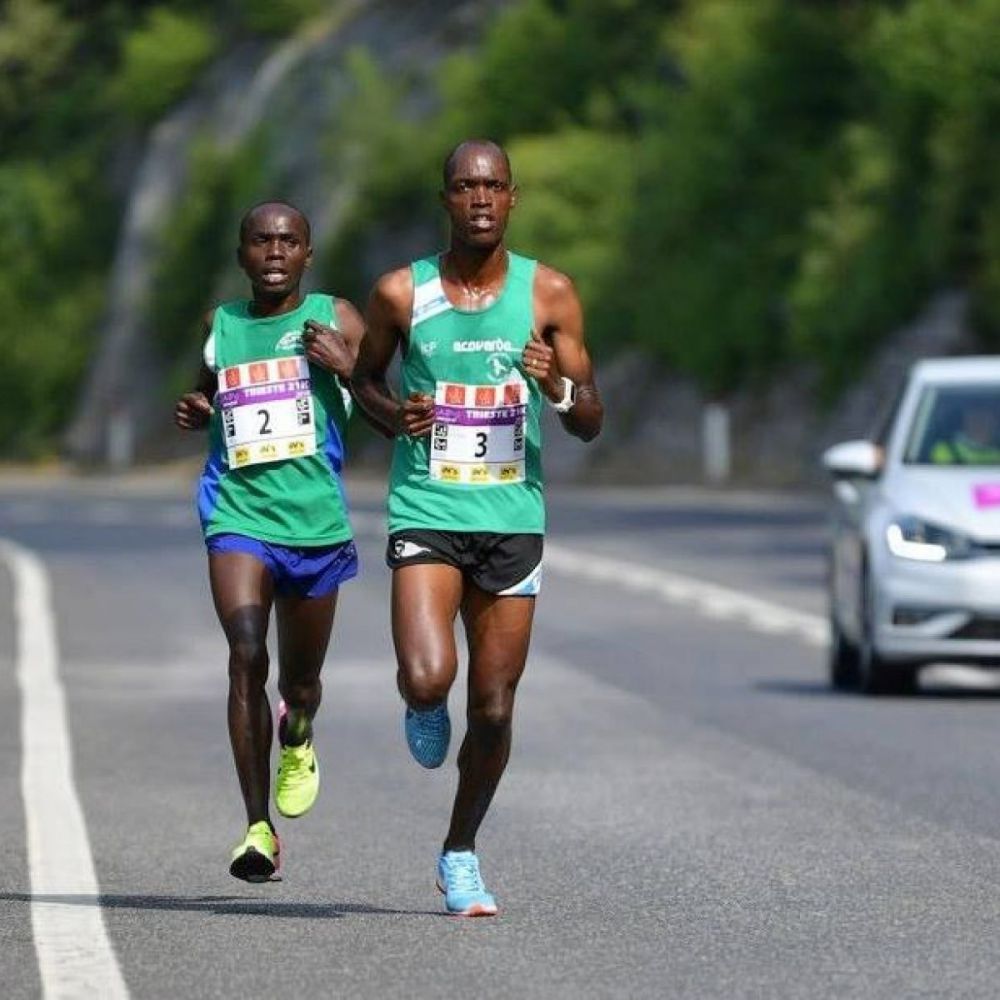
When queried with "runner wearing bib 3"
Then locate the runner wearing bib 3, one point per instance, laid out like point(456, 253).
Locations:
point(272, 507)
point(485, 335)
point(480, 467)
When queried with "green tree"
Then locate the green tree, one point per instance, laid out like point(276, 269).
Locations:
point(542, 63)
point(278, 17)
point(575, 196)
point(51, 301)
point(35, 41)
point(728, 163)
point(161, 58)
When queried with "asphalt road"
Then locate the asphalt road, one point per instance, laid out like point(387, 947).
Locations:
point(688, 812)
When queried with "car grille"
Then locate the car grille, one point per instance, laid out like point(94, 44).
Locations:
point(978, 627)
point(915, 616)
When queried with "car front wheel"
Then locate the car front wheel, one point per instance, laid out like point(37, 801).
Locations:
point(842, 658)
point(876, 675)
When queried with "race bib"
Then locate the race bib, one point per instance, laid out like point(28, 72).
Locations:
point(267, 411)
point(478, 434)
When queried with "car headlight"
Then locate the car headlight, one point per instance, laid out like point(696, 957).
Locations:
point(913, 538)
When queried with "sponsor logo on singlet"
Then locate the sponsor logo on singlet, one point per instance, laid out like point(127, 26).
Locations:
point(498, 367)
point(289, 341)
point(481, 346)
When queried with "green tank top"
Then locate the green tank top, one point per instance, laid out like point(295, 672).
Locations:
point(276, 437)
point(480, 468)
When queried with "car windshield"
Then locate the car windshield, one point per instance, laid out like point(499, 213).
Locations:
point(956, 425)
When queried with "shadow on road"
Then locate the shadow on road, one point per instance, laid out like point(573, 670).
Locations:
point(235, 906)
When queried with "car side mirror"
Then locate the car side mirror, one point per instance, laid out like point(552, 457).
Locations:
point(859, 459)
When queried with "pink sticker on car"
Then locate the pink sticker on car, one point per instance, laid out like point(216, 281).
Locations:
point(986, 495)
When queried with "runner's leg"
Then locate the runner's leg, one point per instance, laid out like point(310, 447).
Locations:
point(425, 602)
point(498, 630)
point(243, 590)
point(304, 627)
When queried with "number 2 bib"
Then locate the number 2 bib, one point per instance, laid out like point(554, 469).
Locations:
point(267, 411)
point(478, 434)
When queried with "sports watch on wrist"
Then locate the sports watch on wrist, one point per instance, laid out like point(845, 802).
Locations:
point(568, 398)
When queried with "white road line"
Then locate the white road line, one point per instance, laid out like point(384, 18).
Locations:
point(75, 956)
point(109, 512)
point(366, 523)
point(178, 516)
point(24, 512)
point(708, 599)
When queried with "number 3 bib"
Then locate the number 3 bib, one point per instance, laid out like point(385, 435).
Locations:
point(478, 434)
point(267, 411)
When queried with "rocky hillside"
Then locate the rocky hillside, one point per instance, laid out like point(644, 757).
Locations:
point(752, 198)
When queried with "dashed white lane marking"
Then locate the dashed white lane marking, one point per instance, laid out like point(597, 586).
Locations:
point(105, 514)
point(177, 517)
point(24, 512)
point(110, 512)
point(708, 599)
point(75, 956)
point(368, 523)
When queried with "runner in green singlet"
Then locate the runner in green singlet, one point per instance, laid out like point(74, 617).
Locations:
point(272, 507)
point(485, 335)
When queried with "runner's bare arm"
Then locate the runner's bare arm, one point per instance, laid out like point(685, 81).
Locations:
point(194, 409)
point(559, 322)
point(387, 322)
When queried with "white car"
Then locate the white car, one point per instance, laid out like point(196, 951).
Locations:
point(915, 553)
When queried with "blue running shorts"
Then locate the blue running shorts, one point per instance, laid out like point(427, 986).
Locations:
point(297, 570)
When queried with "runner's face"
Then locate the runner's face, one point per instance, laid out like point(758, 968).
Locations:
point(479, 197)
point(274, 251)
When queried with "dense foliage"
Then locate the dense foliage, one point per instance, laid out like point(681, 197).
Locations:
point(733, 185)
point(79, 82)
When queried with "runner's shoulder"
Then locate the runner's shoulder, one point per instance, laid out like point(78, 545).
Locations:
point(394, 285)
point(208, 319)
point(552, 286)
point(347, 312)
point(393, 292)
point(237, 309)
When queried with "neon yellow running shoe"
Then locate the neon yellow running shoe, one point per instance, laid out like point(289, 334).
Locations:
point(258, 858)
point(297, 784)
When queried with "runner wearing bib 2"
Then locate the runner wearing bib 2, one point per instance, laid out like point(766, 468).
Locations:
point(485, 335)
point(272, 507)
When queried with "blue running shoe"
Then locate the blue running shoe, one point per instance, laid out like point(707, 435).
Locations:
point(428, 734)
point(464, 893)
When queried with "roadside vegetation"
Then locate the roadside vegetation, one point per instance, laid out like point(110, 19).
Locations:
point(735, 186)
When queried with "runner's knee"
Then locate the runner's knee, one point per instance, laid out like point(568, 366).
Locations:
point(425, 682)
point(492, 712)
point(246, 632)
point(301, 692)
point(248, 662)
